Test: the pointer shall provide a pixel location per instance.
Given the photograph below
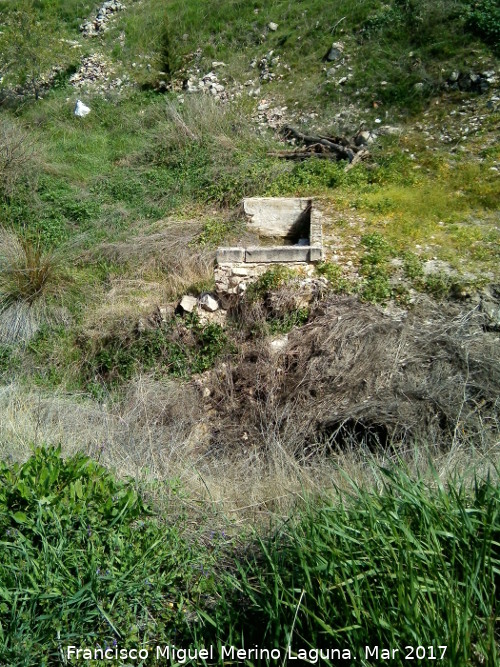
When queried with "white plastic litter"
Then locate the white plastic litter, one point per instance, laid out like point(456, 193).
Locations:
point(81, 109)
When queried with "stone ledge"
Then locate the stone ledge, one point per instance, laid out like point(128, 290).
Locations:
point(282, 254)
point(230, 255)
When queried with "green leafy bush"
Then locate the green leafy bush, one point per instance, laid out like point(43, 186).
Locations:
point(180, 348)
point(413, 265)
point(375, 286)
point(333, 273)
point(270, 280)
point(483, 17)
point(284, 323)
point(82, 562)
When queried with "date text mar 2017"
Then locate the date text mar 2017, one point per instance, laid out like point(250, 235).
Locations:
point(408, 653)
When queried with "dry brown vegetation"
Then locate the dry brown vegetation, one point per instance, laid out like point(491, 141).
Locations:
point(17, 156)
point(357, 376)
point(171, 252)
point(353, 389)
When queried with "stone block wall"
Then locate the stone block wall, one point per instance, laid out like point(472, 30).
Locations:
point(234, 278)
point(294, 220)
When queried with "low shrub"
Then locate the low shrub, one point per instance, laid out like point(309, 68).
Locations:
point(333, 273)
point(180, 348)
point(270, 280)
point(375, 286)
point(483, 17)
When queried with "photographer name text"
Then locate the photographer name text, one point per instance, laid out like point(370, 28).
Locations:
point(212, 653)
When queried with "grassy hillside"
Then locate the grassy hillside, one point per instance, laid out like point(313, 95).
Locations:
point(271, 442)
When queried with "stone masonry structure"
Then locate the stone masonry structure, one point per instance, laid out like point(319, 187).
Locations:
point(290, 232)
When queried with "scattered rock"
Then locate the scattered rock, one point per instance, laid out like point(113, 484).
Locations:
point(266, 65)
point(208, 83)
point(97, 72)
point(100, 23)
point(270, 116)
point(474, 82)
point(335, 52)
point(272, 26)
point(187, 304)
point(208, 302)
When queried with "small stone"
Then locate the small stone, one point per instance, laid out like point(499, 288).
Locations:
point(279, 343)
point(241, 272)
point(166, 313)
point(364, 138)
point(188, 303)
point(208, 302)
point(336, 51)
point(272, 26)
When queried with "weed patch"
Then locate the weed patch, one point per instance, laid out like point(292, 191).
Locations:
point(180, 349)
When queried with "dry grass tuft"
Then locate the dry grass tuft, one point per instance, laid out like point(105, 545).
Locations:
point(205, 121)
point(172, 252)
point(31, 282)
point(17, 156)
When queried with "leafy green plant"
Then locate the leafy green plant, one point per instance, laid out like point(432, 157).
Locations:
point(214, 232)
point(180, 348)
point(287, 321)
point(483, 17)
point(30, 47)
point(333, 273)
point(82, 557)
point(438, 284)
point(375, 286)
point(270, 280)
point(412, 265)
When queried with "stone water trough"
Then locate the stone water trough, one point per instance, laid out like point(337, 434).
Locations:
point(290, 233)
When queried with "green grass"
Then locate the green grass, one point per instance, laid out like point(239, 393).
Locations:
point(405, 566)
point(84, 562)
